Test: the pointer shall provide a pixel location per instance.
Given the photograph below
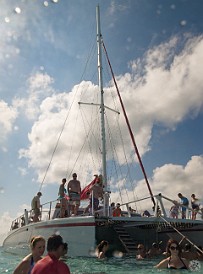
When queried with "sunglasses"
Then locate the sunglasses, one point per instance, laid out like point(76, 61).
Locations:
point(174, 248)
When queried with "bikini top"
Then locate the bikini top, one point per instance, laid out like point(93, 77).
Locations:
point(172, 267)
point(32, 263)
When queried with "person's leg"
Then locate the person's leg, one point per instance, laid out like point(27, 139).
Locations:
point(96, 204)
point(87, 209)
point(184, 213)
point(77, 204)
point(36, 215)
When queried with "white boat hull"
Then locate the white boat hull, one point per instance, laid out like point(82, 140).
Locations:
point(83, 233)
point(78, 232)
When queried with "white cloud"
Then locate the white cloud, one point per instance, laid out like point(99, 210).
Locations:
point(168, 180)
point(22, 171)
point(163, 95)
point(173, 179)
point(8, 115)
point(6, 221)
point(5, 224)
point(39, 87)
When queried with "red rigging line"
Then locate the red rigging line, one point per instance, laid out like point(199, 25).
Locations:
point(129, 127)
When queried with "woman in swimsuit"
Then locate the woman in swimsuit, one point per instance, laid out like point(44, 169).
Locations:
point(174, 261)
point(141, 252)
point(102, 248)
point(37, 245)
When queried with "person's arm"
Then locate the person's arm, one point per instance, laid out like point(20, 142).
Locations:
point(80, 188)
point(22, 268)
point(64, 268)
point(186, 262)
point(68, 187)
point(162, 264)
point(61, 192)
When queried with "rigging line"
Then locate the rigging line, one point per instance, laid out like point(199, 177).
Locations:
point(127, 164)
point(52, 156)
point(93, 134)
point(122, 165)
point(113, 99)
point(57, 142)
point(110, 140)
point(114, 150)
point(71, 147)
point(78, 156)
point(182, 234)
point(129, 128)
point(87, 138)
point(91, 52)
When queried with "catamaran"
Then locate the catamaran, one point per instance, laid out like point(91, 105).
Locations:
point(123, 233)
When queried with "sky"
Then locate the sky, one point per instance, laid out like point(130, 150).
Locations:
point(47, 65)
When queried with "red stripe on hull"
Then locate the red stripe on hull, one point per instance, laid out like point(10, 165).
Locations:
point(65, 225)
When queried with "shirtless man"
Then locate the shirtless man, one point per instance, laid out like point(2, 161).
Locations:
point(96, 193)
point(74, 190)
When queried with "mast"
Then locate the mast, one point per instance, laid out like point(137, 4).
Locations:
point(102, 109)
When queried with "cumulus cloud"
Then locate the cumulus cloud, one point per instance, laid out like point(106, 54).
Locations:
point(168, 180)
point(8, 114)
point(162, 95)
point(6, 221)
point(5, 224)
point(38, 88)
point(54, 111)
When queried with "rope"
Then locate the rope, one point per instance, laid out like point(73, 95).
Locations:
point(184, 237)
point(129, 128)
point(89, 57)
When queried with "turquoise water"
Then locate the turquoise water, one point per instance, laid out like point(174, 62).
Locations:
point(94, 266)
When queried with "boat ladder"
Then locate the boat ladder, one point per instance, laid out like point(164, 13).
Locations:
point(127, 241)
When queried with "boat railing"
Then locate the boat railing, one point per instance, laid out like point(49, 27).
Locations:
point(159, 209)
point(46, 212)
point(48, 209)
point(51, 210)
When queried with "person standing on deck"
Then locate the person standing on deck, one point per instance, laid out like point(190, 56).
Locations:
point(174, 210)
point(111, 209)
point(74, 190)
point(195, 206)
point(184, 201)
point(62, 198)
point(35, 205)
point(96, 193)
point(117, 211)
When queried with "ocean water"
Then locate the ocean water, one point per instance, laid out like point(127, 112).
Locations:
point(83, 265)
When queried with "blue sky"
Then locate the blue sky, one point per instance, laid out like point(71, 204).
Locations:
point(156, 50)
